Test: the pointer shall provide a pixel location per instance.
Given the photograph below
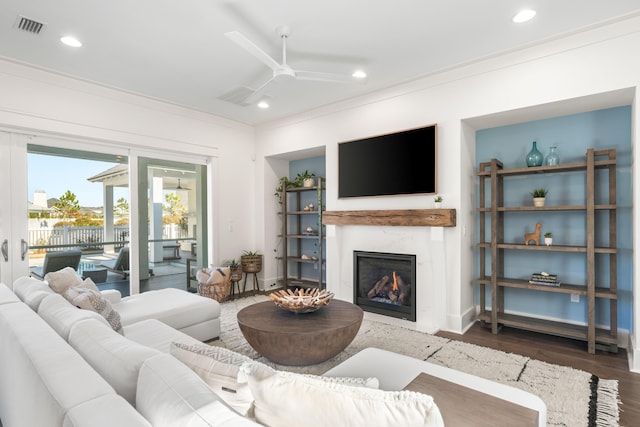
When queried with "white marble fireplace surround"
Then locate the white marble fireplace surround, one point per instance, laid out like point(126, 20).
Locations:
point(426, 243)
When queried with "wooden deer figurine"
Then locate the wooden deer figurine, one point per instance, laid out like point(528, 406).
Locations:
point(535, 236)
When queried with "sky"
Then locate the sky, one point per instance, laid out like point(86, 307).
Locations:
point(55, 175)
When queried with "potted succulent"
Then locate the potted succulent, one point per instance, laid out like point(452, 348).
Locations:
point(235, 268)
point(438, 201)
point(251, 262)
point(548, 238)
point(539, 195)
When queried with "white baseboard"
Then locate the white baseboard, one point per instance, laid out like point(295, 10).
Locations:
point(633, 355)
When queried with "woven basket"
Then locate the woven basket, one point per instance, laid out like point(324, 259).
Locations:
point(218, 291)
point(251, 263)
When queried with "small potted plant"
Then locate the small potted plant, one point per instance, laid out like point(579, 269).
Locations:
point(251, 262)
point(438, 201)
point(306, 179)
point(539, 195)
point(548, 238)
point(235, 269)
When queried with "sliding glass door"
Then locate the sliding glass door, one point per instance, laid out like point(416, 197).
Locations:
point(13, 202)
point(138, 221)
point(78, 213)
point(173, 227)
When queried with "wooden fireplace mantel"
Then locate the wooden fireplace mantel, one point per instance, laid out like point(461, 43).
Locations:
point(405, 217)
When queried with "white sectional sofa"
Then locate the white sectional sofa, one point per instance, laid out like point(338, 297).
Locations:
point(63, 366)
point(189, 313)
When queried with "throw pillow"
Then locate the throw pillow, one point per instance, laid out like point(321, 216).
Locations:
point(62, 280)
point(220, 369)
point(285, 399)
point(88, 299)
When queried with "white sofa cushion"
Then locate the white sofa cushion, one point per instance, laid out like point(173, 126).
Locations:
point(41, 376)
point(313, 402)
point(106, 411)
point(116, 358)
point(155, 334)
point(61, 315)
point(170, 394)
point(31, 291)
point(6, 296)
point(220, 369)
point(175, 307)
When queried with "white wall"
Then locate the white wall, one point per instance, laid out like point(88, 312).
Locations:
point(84, 114)
point(582, 72)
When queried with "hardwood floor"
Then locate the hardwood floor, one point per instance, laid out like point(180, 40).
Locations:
point(566, 352)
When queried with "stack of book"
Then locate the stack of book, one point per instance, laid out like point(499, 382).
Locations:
point(544, 279)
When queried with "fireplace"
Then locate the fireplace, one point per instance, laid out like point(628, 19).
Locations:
point(384, 283)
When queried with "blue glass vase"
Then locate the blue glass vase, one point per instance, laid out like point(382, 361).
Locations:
point(534, 158)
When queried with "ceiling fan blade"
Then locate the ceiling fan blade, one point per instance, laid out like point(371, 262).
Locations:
point(258, 93)
point(252, 48)
point(327, 77)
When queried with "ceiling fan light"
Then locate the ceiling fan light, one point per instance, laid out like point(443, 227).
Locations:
point(71, 41)
point(359, 74)
point(524, 16)
point(263, 104)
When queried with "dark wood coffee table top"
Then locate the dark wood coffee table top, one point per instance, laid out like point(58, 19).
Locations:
point(463, 406)
point(300, 339)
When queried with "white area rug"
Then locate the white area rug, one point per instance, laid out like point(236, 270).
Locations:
point(573, 397)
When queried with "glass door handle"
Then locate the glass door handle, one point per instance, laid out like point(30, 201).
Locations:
point(5, 249)
point(25, 248)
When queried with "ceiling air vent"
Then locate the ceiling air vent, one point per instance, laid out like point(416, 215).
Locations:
point(29, 25)
point(237, 95)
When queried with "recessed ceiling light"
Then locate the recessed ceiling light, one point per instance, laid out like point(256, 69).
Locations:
point(524, 16)
point(71, 41)
point(359, 74)
point(263, 104)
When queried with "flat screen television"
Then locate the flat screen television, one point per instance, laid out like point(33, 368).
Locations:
point(391, 164)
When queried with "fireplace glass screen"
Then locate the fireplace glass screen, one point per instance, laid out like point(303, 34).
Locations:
point(384, 283)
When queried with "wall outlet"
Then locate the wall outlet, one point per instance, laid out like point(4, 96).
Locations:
point(575, 297)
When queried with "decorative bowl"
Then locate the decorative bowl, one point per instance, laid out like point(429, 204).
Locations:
point(301, 300)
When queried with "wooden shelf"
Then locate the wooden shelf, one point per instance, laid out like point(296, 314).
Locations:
point(294, 282)
point(551, 248)
point(295, 243)
point(299, 259)
point(564, 288)
point(494, 252)
point(405, 217)
point(547, 208)
point(549, 327)
point(567, 167)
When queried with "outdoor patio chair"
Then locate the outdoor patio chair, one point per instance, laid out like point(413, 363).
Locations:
point(120, 264)
point(54, 261)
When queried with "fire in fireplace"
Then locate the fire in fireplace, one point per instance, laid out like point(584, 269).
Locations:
point(384, 283)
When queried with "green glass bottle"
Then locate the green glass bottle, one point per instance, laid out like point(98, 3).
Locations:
point(534, 158)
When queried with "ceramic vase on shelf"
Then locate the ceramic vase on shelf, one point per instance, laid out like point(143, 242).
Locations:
point(552, 158)
point(534, 158)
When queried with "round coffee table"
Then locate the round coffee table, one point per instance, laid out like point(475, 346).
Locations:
point(300, 339)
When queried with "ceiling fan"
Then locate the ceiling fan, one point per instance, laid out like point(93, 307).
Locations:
point(180, 187)
point(282, 70)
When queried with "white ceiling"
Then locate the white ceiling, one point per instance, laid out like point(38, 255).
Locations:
point(176, 51)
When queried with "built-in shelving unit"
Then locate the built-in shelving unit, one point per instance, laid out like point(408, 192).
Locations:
point(296, 217)
point(494, 251)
